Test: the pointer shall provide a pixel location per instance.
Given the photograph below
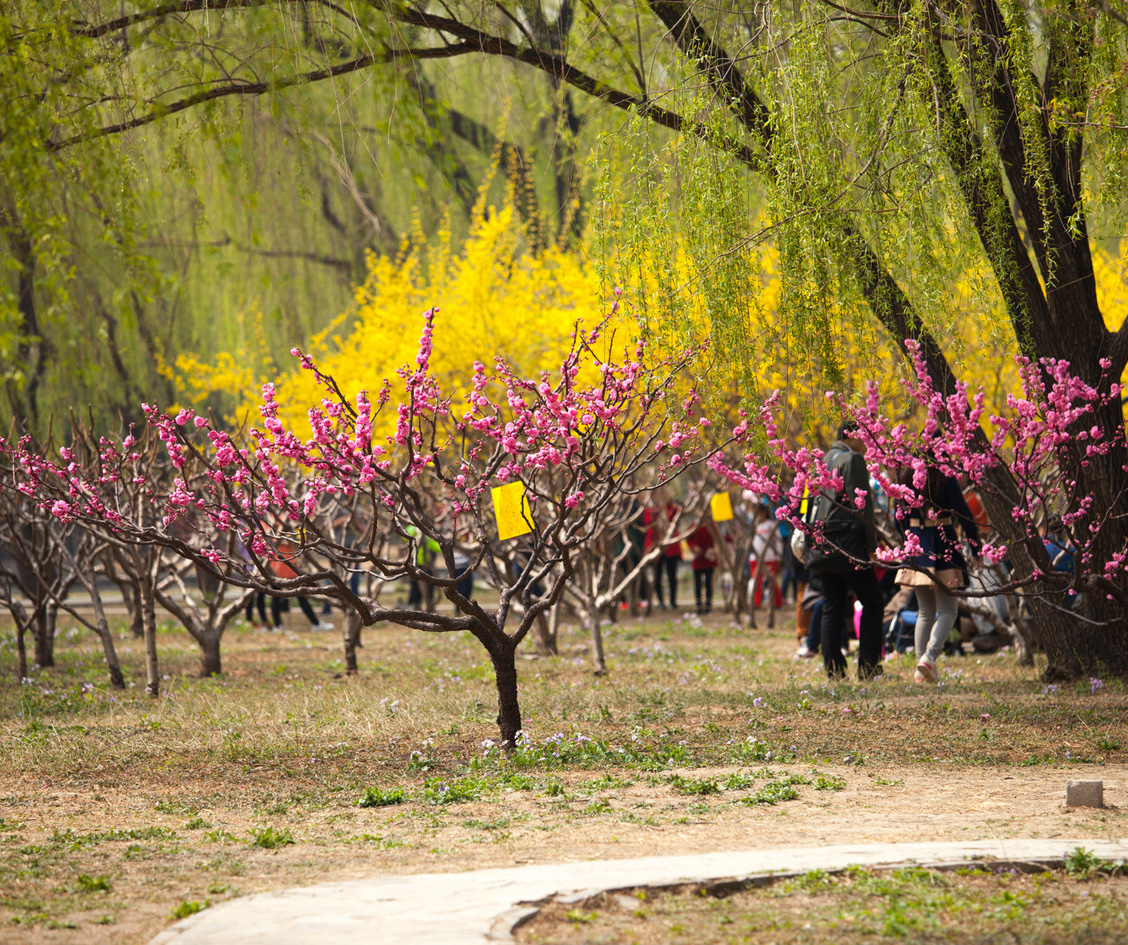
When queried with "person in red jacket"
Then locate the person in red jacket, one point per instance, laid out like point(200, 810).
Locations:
point(668, 562)
point(703, 546)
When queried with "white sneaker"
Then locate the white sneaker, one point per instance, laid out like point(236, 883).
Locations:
point(803, 653)
point(926, 671)
point(322, 625)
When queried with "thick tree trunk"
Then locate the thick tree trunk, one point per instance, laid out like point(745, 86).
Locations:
point(45, 635)
point(210, 662)
point(1075, 647)
point(352, 641)
point(503, 657)
point(1091, 639)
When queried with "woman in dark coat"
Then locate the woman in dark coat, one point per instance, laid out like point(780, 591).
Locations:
point(939, 566)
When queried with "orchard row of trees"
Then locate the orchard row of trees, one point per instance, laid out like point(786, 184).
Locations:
point(577, 454)
point(587, 448)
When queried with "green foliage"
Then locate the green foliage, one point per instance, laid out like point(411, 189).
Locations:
point(187, 908)
point(378, 797)
point(772, 793)
point(1082, 863)
point(439, 791)
point(70, 840)
point(691, 786)
point(829, 782)
point(88, 883)
point(269, 838)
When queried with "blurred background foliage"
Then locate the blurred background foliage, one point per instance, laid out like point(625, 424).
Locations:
point(189, 190)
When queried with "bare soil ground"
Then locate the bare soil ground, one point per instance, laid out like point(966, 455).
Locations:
point(118, 811)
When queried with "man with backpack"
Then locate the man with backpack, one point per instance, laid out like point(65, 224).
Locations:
point(843, 543)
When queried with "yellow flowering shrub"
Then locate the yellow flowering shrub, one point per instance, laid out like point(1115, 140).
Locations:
point(495, 297)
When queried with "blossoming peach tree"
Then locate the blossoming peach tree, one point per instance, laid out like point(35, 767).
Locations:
point(1027, 466)
point(575, 439)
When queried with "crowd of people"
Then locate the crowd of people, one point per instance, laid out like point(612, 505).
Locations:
point(938, 526)
point(841, 594)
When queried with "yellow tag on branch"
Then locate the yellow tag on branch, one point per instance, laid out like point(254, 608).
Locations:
point(722, 507)
point(511, 506)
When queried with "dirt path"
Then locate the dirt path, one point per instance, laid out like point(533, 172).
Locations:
point(638, 819)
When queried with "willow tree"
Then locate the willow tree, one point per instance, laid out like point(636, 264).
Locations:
point(210, 176)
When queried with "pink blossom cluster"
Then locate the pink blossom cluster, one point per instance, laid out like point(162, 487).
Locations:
point(1052, 427)
point(572, 436)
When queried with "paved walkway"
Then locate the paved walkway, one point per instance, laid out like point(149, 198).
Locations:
point(484, 905)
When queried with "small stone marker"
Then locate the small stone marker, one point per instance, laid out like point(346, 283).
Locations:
point(1084, 794)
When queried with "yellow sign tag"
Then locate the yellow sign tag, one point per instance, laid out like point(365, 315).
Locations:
point(722, 507)
point(511, 506)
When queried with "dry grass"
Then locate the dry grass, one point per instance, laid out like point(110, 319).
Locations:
point(117, 810)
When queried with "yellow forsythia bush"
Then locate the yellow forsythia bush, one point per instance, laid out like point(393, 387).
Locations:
point(497, 298)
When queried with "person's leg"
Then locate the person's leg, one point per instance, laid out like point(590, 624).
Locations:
point(698, 586)
point(802, 614)
point(946, 607)
point(868, 591)
point(307, 609)
point(708, 590)
point(833, 620)
point(672, 574)
point(777, 587)
point(276, 611)
point(659, 564)
point(260, 602)
point(251, 609)
point(814, 627)
point(926, 616)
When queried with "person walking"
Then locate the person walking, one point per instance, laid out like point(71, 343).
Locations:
point(703, 547)
point(671, 556)
point(844, 542)
point(767, 555)
point(931, 517)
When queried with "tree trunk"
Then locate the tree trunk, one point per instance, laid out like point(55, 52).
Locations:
point(504, 661)
point(131, 595)
point(596, 640)
point(1075, 647)
point(1092, 639)
point(20, 616)
point(352, 641)
point(149, 630)
point(117, 680)
point(45, 635)
point(210, 663)
point(544, 635)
